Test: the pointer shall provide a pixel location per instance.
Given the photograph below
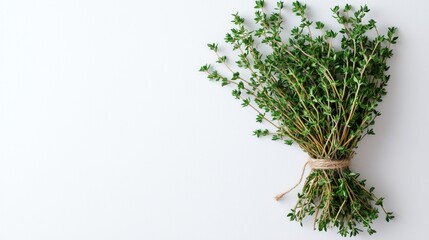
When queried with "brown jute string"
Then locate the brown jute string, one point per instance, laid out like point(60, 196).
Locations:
point(317, 164)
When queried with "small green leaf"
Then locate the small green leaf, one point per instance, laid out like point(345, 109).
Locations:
point(320, 25)
point(213, 46)
point(259, 4)
point(261, 132)
point(347, 8)
point(379, 202)
point(389, 216)
point(246, 102)
point(259, 118)
point(236, 76)
point(205, 68)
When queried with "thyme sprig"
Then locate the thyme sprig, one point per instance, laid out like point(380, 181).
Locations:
point(316, 94)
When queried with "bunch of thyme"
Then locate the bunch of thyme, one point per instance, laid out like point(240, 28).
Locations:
point(318, 95)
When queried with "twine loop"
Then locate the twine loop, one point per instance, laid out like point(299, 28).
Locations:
point(324, 164)
point(328, 163)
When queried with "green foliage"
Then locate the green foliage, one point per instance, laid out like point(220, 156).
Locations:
point(321, 96)
point(339, 199)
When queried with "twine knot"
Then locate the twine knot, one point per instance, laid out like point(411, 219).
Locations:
point(318, 164)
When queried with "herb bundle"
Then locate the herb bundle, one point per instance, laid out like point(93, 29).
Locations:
point(318, 95)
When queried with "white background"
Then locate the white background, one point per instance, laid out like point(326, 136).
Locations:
point(108, 130)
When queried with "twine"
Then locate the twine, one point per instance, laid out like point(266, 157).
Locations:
point(317, 164)
point(328, 163)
